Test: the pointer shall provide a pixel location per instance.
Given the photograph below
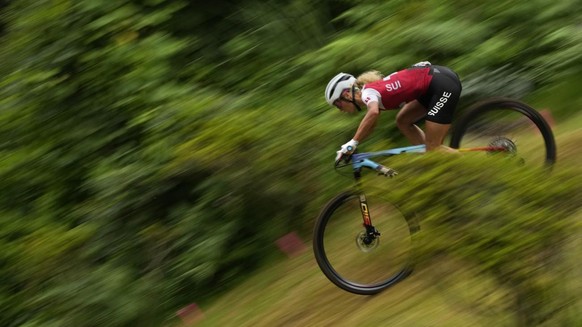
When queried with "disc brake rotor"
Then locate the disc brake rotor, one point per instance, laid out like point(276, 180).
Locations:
point(505, 143)
point(366, 243)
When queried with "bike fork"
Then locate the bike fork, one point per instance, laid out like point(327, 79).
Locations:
point(370, 229)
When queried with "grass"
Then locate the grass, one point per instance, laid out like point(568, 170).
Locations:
point(294, 292)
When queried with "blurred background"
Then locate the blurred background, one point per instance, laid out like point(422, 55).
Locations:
point(154, 151)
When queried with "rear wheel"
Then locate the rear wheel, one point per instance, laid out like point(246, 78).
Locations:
point(355, 262)
point(507, 123)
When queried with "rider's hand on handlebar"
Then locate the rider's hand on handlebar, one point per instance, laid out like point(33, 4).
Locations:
point(349, 147)
point(346, 150)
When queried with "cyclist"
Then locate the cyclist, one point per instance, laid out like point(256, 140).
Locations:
point(421, 91)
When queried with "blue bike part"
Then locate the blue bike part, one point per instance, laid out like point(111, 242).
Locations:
point(360, 160)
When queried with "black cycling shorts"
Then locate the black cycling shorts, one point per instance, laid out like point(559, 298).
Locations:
point(442, 95)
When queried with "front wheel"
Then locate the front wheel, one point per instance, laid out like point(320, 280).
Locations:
point(509, 123)
point(352, 260)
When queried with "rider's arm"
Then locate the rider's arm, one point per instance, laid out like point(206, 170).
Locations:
point(369, 122)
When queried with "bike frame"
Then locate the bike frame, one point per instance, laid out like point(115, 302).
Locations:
point(362, 160)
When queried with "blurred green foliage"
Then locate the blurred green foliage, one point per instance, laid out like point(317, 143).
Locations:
point(513, 223)
point(153, 150)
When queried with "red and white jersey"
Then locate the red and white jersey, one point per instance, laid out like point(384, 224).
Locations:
point(398, 88)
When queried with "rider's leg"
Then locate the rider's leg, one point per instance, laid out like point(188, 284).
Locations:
point(435, 134)
point(406, 119)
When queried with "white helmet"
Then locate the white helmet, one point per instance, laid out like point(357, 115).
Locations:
point(337, 85)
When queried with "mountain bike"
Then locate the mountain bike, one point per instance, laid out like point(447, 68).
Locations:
point(364, 243)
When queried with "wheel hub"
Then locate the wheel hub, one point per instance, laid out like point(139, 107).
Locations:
point(367, 243)
point(505, 143)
